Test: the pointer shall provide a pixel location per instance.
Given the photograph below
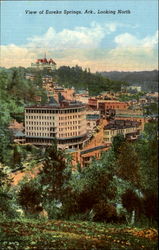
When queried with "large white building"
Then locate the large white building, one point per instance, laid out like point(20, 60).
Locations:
point(64, 121)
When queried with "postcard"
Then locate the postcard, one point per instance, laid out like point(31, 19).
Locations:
point(78, 124)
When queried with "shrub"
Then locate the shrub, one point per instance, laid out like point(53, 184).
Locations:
point(104, 212)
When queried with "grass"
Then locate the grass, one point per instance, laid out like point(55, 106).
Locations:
point(61, 235)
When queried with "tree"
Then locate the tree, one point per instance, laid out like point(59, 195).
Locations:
point(6, 194)
point(118, 140)
point(17, 158)
point(147, 148)
point(128, 164)
point(29, 197)
point(93, 189)
point(133, 204)
point(54, 175)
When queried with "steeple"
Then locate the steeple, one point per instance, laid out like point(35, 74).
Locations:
point(45, 55)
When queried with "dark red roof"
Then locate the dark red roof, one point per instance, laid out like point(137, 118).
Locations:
point(44, 60)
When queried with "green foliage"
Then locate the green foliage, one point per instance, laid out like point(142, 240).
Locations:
point(151, 109)
point(29, 197)
point(83, 79)
point(68, 235)
point(54, 209)
point(7, 194)
point(128, 164)
point(91, 187)
point(129, 97)
point(118, 140)
point(147, 148)
point(54, 175)
point(15, 93)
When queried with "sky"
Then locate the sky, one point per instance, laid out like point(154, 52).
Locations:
point(94, 36)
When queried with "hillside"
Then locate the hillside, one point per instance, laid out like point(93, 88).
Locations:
point(58, 234)
point(148, 80)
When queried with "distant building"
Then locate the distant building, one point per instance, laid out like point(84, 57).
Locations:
point(47, 79)
point(92, 121)
point(132, 88)
point(64, 121)
point(130, 129)
point(133, 115)
point(82, 98)
point(67, 93)
point(107, 107)
point(107, 104)
point(17, 131)
point(30, 76)
point(44, 63)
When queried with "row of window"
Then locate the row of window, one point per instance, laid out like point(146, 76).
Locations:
point(65, 111)
point(69, 117)
point(52, 117)
point(68, 134)
point(40, 128)
point(39, 123)
point(39, 117)
point(119, 131)
point(69, 128)
point(37, 134)
point(115, 107)
point(48, 134)
point(69, 123)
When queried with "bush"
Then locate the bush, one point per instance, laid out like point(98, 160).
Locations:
point(54, 209)
point(8, 205)
point(104, 212)
point(29, 197)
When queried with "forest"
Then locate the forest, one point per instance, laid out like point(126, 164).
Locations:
point(148, 80)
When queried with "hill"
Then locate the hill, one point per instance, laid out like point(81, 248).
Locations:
point(148, 80)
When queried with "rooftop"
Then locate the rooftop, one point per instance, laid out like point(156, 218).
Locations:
point(62, 105)
point(45, 61)
point(121, 124)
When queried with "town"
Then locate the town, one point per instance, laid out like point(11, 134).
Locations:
point(82, 125)
point(76, 149)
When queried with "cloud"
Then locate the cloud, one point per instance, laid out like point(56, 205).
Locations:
point(12, 56)
point(79, 37)
point(81, 46)
point(140, 53)
point(127, 40)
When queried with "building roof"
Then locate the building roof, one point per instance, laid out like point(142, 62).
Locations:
point(92, 116)
point(93, 149)
point(52, 101)
point(45, 61)
point(62, 105)
point(121, 124)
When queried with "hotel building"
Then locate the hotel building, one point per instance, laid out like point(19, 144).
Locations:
point(44, 63)
point(64, 121)
point(129, 129)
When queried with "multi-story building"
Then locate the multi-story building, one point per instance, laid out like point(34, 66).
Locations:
point(67, 93)
point(132, 115)
point(130, 129)
point(64, 121)
point(93, 103)
point(44, 63)
point(107, 107)
point(92, 121)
